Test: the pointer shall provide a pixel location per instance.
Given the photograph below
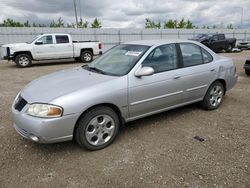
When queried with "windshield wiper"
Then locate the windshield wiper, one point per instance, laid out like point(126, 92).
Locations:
point(94, 69)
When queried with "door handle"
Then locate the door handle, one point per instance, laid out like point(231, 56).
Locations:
point(177, 77)
point(212, 70)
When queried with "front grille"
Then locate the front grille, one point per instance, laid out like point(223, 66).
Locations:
point(20, 103)
point(3, 52)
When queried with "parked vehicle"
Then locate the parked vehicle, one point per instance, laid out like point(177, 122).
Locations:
point(244, 44)
point(130, 81)
point(50, 47)
point(216, 42)
point(247, 67)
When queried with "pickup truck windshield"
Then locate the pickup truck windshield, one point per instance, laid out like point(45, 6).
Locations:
point(32, 40)
point(119, 60)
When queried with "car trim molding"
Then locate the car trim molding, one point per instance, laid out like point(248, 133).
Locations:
point(155, 98)
point(195, 88)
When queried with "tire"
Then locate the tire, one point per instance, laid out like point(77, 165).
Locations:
point(247, 72)
point(214, 96)
point(229, 48)
point(23, 60)
point(97, 128)
point(86, 56)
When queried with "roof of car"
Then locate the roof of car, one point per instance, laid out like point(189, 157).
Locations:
point(158, 42)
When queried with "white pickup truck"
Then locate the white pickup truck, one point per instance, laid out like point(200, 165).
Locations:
point(50, 47)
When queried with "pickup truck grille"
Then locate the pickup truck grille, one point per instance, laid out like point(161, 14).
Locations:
point(3, 52)
point(20, 103)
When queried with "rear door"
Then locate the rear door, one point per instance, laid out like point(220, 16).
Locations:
point(64, 47)
point(163, 89)
point(198, 71)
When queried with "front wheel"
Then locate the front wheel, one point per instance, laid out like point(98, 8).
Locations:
point(23, 60)
point(86, 56)
point(229, 48)
point(214, 96)
point(97, 128)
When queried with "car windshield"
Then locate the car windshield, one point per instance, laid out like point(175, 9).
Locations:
point(32, 40)
point(119, 60)
point(198, 36)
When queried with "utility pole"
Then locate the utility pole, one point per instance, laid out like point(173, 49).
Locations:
point(80, 9)
point(75, 13)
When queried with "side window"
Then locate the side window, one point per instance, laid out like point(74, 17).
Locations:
point(162, 58)
point(215, 37)
point(46, 39)
point(62, 39)
point(191, 54)
point(221, 37)
point(207, 57)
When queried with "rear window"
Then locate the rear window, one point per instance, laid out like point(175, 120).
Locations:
point(62, 39)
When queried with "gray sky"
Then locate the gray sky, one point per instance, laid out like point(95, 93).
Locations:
point(129, 13)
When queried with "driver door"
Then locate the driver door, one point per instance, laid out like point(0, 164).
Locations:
point(44, 48)
point(162, 90)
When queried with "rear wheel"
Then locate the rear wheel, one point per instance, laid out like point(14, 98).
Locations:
point(247, 72)
point(86, 56)
point(23, 60)
point(97, 128)
point(214, 96)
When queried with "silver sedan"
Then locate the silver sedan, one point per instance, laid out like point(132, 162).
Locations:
point(130, 81)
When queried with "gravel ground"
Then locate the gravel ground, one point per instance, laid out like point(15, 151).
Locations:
point(157, 151)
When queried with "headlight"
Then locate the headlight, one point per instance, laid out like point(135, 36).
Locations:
point(44, 110)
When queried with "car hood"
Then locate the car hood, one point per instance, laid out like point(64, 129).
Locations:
point(52, 86)
point(15, 45)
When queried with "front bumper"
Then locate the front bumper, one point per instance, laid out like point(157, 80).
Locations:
point(44, 130)
point(243, 46)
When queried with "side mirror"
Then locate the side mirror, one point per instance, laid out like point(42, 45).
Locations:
point(38, 43)
point(144, 71)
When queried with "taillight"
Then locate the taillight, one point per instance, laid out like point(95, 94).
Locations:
point(100, 46)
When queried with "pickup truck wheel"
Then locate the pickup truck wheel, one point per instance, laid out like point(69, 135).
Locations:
point(247, 72)
point(229, 48)
point(86, 56)
point(214, 96)
point(97, 128)
point(23, 60)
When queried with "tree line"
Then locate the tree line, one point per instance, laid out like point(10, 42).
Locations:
point(54, 23)
point(149, 23)
point(179, 24)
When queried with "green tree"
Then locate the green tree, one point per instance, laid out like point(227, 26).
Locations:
point(11, 23)
point(58, 23)
point(189, 25)
point(82, 24)
point(96, 24)
point(181, 24)
point(214, 27)
point(26, 24)
point(151, 24)
point(170, 24)
point(230, 26)
point(70, 25)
